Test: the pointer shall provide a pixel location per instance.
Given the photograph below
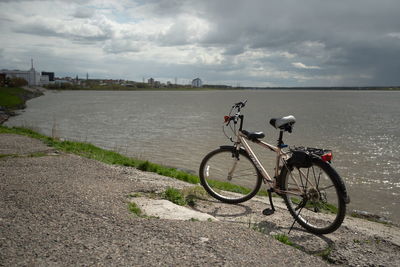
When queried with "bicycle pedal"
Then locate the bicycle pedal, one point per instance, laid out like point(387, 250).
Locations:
point(268, 212)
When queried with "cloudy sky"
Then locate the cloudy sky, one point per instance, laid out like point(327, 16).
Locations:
point(247, 43)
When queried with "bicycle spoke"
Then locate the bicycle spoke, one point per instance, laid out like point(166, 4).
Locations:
point(318, 208)
point(324, 188)
point(219, 175)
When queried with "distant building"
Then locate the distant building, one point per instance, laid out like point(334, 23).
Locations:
point(150, 82)
point(44, 80)
point(197, 83)
point(31, 76)
point(50, 74)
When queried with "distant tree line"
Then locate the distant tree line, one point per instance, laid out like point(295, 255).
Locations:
point(13, 82)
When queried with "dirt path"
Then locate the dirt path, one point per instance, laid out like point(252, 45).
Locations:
point(61, 209)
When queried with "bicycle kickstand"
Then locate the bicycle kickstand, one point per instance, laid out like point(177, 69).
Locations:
point(269, 211)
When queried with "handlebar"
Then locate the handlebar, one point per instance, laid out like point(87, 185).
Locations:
point(237, 116)
point(240, 105)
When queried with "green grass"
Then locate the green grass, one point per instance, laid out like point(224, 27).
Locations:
point(8, 156)
point(175, 196)
point(285, 240)
point(134, 209)
point(107, 156)
point(10, 98)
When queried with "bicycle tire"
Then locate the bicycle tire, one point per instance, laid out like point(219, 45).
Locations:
point(245, 181)
point(312, 210)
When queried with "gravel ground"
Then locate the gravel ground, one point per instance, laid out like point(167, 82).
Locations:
point(63, 210)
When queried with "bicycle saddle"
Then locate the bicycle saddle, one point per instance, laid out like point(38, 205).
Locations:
point(253, 136)
point(284, 123)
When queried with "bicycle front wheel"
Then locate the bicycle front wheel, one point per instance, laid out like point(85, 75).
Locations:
point(228, 177)
point(314, 196)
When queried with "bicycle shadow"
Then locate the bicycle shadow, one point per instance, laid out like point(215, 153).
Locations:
point(299, 238)
point(249, 215)
point(219, 209)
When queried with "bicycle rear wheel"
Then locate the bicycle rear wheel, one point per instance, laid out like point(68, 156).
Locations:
point(314, 196)
point(228, 178)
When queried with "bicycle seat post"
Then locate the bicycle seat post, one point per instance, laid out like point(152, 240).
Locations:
point(280, 140)
point(241, 117)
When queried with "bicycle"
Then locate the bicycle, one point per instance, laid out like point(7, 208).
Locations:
point(313, 191)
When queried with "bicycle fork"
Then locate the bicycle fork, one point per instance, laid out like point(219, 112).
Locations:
point(230, 173)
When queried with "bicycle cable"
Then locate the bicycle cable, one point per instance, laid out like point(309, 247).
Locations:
point(230, 126)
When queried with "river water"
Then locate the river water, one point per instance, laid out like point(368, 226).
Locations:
point(178, 128)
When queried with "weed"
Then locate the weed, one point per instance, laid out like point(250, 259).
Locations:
point(325, 254)
point(8, 155)
point(193, 193)
point(135, 209)
point(137, 194)
point(37, 154)
point(209, 220)
point(194, 220)
point(285, 240)
point(191, 200)
point(175, 196)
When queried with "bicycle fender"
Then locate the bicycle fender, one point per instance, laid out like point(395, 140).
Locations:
point(227, 147)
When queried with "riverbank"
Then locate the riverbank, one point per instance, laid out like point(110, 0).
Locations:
point(14, 98)
point(90, 197)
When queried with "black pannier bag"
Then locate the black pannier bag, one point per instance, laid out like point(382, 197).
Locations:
point(302, 157)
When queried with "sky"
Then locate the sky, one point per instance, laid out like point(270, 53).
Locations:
point(268, 43)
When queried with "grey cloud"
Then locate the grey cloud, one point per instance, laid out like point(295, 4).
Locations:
point(83, 13)
point(350, 33)
point(117, 46)
point(163, 8)
point(354, 42)
point(42, 28)
point(177, 34)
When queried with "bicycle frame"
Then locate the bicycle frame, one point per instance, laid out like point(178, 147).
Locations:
point(267, 179)
point(280, 156)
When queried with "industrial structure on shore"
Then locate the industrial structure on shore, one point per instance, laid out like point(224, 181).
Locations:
point(33, 77)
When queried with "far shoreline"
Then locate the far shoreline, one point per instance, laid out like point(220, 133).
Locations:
point(189, 89)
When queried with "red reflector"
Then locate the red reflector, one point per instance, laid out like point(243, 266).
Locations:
point(327, 156)
point(226, 118)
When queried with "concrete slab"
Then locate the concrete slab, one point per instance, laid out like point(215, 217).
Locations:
point(165, 209)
